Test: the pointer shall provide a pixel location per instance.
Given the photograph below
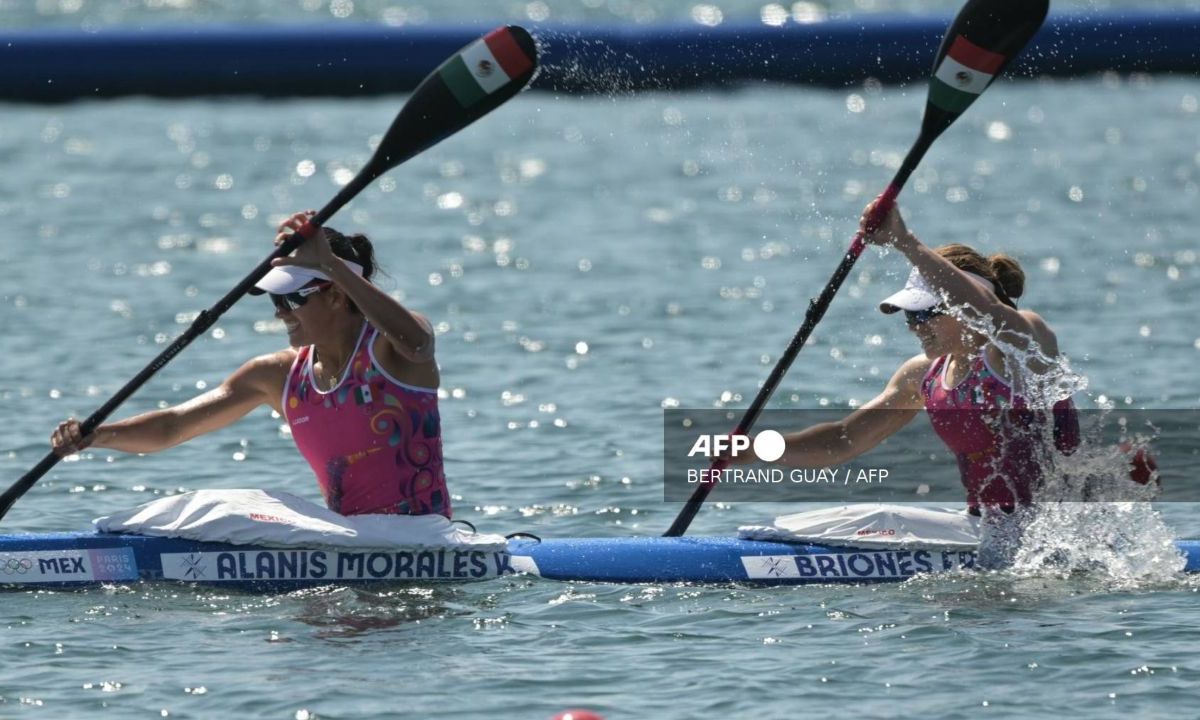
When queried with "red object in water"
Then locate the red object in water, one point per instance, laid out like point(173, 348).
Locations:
point(577, 715)
point(1142, 467)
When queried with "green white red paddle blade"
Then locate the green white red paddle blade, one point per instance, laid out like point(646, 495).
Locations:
point(476, 80)
point(984, 37)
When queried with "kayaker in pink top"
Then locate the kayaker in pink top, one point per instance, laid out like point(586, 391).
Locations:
point(357, 386)
point(374, 442)
point(985, 377)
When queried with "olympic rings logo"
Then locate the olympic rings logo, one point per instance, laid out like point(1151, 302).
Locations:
point(14, 566)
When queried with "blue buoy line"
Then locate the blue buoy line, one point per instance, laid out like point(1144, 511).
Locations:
point(57, 66)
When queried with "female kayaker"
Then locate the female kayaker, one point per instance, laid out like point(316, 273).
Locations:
point(358, 386)
point(985, 377)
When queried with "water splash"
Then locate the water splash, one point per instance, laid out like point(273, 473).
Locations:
point(573, 63)
point(1041, 379)
point(1090, 517)
point(1125, 543)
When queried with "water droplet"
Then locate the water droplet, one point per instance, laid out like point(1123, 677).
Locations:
point(709, 15)
point(773, 14)
point(998, 131)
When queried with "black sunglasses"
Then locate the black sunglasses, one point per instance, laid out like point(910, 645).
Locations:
point(295, 300)
point(920, 317)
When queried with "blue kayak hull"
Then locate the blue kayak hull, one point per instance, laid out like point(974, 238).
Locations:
point(83, 559)
point(724, 560)
point(733, 560)
point(65, 560)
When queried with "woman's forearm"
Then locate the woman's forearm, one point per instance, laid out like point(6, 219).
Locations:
point(145, 433)
point(959, 288)
point(398, 324)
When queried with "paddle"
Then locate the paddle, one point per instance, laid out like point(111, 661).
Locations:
point(472, 83)
point(984, 37)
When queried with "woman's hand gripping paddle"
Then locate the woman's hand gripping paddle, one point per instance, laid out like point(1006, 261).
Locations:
point(472, 83)
point(984, 37)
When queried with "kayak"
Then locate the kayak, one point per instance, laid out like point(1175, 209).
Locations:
point(92, 559)
point(77, 560)
point(725, 560)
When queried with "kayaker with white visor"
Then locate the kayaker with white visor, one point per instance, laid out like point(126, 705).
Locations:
point(357, 386)
point(984, 377)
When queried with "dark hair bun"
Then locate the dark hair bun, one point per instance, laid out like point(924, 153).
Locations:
point(1008, 273)
point(355, 248)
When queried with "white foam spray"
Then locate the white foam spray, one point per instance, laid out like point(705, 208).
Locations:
point(1090, 517)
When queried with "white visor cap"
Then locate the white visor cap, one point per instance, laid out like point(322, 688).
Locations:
point(290, 278)
point(918, 294)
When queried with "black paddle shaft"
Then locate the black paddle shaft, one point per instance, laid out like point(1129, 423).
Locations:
point(816, 311)
point(984, 37)
point(433, 112)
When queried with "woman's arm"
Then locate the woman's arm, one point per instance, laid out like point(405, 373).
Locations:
point(407, 333)
point(258, 382)
point(833, 443)
point(959, 288)
point(1007, 324)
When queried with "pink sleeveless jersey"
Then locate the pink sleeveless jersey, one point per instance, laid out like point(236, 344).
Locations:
point(993, 433)
point(374, 443)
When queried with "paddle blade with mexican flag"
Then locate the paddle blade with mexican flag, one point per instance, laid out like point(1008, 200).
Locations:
point(476, 80)
point(985, 37)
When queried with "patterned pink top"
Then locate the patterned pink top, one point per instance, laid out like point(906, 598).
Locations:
point(993, 433)
point(374, 443)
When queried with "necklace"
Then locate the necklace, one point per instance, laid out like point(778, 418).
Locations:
point(335, 379)
point(328, 380)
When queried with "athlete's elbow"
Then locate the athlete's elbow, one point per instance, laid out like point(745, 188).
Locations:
point(420, 354)
point(417, 350)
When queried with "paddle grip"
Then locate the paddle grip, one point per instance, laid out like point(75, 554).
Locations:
point(883, 205)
